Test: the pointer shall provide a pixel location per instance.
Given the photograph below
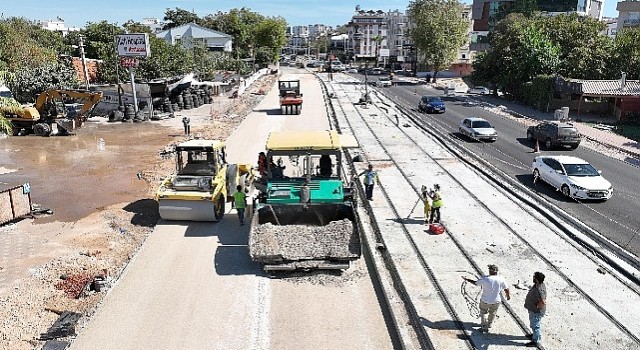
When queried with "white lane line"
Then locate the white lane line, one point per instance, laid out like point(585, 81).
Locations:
point(260, 333)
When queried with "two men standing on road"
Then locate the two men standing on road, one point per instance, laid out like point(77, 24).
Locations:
point(490, 299)
point(535, 303)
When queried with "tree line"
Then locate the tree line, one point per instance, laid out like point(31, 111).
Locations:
point(33, 59)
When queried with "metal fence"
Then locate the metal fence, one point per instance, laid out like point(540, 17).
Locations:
point(15, 203)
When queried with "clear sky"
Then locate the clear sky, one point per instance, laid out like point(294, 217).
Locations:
point(77, 13)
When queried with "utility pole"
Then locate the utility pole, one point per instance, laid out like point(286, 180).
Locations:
point(84, 63)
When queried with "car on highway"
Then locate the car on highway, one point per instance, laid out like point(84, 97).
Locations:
point(431, 104)
point(572, 176)
point(554, 134)
point(480, 90)
point(478, 129)
point(383, 82)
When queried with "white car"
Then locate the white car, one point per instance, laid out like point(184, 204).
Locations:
point(383, 82)
point(352, 70)
point(481, 90)
point(572, 176)
point(477, 129)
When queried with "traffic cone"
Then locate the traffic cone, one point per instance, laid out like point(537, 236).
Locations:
point(537, 148)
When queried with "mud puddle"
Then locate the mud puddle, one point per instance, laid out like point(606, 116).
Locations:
point(78, 174)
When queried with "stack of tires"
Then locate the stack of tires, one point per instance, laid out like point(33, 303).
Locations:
point(188, 100)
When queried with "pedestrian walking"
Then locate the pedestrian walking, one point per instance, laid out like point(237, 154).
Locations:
point(370, 178)
point(436, 204)
point(490, 299)
point(187, 127)
point(536, 304)
point(240, 203)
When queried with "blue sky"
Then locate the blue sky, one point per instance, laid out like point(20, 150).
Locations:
point(297, 12)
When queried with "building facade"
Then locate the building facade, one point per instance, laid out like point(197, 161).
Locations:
point(367, 32)
point(628, 14)
point(57, 25)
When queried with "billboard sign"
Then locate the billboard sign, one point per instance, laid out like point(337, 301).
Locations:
point(384, 52)
point(133, 45)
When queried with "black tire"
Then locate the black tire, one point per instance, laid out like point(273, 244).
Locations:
point(548, 144)
point(536, 176)
point(565, 190)
point(219, 208)
point(41, 129)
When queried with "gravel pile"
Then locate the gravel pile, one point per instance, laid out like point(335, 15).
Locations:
point(270, 243)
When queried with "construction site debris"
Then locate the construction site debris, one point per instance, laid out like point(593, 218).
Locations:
point(272, 243)
point(64, 326)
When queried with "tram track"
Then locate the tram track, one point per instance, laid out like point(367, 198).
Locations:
point(462, 329)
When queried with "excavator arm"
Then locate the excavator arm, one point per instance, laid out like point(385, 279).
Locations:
point(89, 98)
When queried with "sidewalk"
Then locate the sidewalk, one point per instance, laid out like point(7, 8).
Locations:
point(604, 137)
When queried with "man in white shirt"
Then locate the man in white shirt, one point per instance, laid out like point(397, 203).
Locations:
point(490, 299)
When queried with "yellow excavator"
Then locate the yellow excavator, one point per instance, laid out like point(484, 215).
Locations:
point(49, 116)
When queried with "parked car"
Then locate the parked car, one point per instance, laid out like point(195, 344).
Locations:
point(431, 104)
point(377, 71)
point(5, 92)
point(480, 90)
point(555, 134)
point(352, 70)
point(572, 176)
point(478, 129)
point(383, 82)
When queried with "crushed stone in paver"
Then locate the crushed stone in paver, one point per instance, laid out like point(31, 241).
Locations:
point(270, 242)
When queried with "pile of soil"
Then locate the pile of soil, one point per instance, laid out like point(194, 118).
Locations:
point(97, 247)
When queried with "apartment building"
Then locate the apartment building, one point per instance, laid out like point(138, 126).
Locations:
point(367, 32)
point(57, 25)
point(628, 14)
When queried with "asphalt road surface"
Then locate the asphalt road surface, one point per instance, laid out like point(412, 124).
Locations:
point(193, 286)
point(512, 153)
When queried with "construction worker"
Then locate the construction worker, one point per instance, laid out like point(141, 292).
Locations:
point(187, 128)
point(240, 203)
point(370, 178)
point(262, 165)
point(436, 204)
point(424, 195)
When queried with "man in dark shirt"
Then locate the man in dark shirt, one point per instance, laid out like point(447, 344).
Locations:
point(535, 303)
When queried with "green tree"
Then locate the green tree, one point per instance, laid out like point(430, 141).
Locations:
point(241, 24)
point(625, 56)
point(438, 31)
point(583, 51)
point(24, 45)
point(271, 35)
point(520, 50)
point(178, 17)
point(378, 40)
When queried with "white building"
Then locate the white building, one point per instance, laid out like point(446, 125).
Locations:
point(191, 34)
point(57, 25)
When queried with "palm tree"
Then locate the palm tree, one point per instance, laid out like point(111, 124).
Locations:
point(377, 39)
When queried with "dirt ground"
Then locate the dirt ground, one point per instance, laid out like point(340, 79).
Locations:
point(102, 197)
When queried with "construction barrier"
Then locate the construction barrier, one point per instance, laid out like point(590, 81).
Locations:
point(15, 203)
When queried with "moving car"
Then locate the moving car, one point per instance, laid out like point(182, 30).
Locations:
point(383, 82)
point(555, 134)
point(431, 104)
point(478, 129)
point(352, 70)
point(572, 176)
point(481, 90)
